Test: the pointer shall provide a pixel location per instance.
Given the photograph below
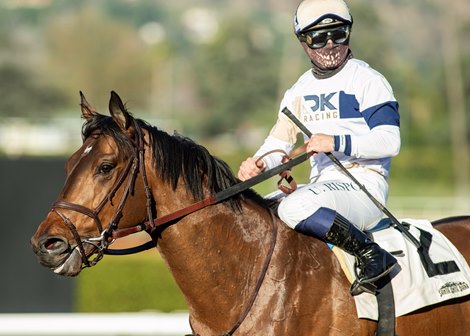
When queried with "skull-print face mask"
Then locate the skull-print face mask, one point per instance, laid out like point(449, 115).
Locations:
point(330, 56)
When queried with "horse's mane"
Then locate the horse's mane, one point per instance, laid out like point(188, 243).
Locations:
point(176, 157)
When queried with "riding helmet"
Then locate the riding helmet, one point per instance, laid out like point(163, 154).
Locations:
point(317, 14)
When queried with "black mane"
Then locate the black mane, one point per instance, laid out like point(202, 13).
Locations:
point(176, 156)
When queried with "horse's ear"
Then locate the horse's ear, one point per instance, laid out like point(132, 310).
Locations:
point(88, 111)
point(119, 113)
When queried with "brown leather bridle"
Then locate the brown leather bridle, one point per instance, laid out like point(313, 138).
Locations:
point(106, 237)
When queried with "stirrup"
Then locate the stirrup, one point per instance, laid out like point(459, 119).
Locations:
point(358, 288)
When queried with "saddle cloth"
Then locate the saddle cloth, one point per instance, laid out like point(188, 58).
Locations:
point(413, 286)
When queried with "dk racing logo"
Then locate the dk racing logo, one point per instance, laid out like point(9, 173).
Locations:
point(320, 107)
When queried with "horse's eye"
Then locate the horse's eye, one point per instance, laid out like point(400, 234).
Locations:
point(105, 168)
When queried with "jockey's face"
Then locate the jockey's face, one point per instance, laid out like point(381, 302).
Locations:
point(326, 48)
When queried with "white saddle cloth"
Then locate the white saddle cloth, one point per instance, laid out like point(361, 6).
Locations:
point(412, 287)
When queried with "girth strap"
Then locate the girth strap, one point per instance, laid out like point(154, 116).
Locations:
point(264, 270)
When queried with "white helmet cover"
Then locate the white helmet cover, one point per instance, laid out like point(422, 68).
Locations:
point(320, 13)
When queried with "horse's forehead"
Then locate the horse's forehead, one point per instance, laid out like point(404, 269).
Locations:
point(103, 144)
point(92, 147)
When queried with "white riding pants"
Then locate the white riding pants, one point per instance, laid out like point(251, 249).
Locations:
point(336, 191)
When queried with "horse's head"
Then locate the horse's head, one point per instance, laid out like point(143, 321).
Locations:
point(103, 189)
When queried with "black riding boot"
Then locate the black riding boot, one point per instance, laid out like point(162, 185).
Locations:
point(373, 261)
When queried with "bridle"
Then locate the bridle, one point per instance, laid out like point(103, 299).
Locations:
point(130, 172)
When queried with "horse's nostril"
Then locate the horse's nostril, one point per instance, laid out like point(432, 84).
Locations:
point(54, 244)
point(51, 243)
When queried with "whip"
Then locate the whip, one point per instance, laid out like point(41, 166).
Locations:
point(399, 226)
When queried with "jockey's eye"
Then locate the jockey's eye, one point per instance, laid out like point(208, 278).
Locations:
point(105, 168)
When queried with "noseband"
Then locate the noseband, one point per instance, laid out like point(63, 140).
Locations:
point(102, 242)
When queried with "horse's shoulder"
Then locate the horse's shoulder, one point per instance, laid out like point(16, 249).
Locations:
point(301, 248)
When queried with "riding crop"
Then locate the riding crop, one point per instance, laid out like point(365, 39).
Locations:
point(400, 227)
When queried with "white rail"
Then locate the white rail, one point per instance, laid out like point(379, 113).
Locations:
point(106, 324)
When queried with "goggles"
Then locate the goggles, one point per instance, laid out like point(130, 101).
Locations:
point(317, 39)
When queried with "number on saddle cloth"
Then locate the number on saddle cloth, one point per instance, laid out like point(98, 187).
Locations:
point(425, 239)
point(432, 269)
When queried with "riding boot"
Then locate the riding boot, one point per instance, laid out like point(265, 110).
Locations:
point(373, 262)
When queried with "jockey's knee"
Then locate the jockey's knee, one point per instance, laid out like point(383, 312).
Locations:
point(284, 215)
point(292, 212)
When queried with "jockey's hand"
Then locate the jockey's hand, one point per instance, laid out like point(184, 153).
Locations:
point(320, 143)
point(250, 167)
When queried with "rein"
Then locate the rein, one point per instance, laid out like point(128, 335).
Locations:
point(214, 199)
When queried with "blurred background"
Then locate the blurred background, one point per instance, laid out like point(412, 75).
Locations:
point(213, 70)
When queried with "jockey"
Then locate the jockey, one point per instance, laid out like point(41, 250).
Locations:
point(351, 111)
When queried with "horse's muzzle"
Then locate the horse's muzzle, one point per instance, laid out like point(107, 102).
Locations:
point(56, 253)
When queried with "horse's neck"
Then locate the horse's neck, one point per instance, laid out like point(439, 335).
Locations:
point(216, 256)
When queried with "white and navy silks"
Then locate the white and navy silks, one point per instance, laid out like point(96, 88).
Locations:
point(358, 108)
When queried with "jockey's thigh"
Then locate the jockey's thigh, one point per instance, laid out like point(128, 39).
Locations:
point(336, 191)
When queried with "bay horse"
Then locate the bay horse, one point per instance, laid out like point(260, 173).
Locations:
point(240, 269)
